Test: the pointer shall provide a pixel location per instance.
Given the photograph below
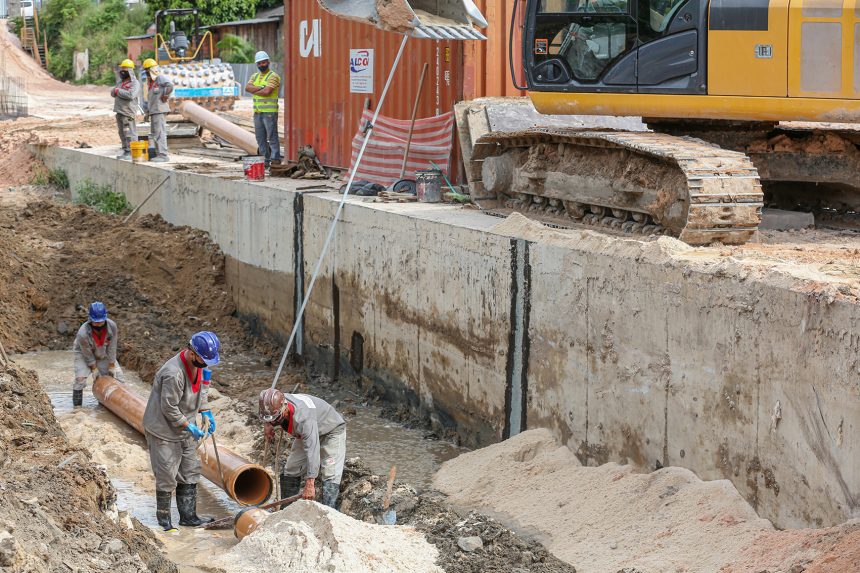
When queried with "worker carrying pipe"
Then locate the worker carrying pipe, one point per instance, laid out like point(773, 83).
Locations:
point(95, 350)
point(179, 393)
point(319, 448)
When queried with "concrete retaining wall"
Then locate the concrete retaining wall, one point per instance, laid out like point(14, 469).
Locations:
point(626, 351)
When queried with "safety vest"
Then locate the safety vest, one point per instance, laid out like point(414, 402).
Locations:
point(263, 104)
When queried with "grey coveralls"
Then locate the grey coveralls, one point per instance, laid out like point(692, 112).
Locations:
point(125, 107)
point(320, 445)
point(158, 111)
point(173, 404)
point(88, 354)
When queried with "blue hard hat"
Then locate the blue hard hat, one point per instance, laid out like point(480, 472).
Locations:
point(260, 56)
point(206, 345)
point(97, 312)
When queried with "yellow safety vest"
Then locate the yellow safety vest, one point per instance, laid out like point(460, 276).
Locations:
point(268, 103)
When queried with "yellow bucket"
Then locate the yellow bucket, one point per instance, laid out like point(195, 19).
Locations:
point(139, 151)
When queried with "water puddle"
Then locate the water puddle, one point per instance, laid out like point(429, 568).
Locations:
point(122, 451)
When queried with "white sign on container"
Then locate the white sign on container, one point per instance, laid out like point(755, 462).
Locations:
point(361, 71)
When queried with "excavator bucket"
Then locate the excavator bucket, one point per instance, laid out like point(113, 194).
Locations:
point(431, 19)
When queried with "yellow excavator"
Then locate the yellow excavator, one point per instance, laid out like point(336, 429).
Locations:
point(716, 81)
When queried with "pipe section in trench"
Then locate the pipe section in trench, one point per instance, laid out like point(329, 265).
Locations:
point(219, 126)
point(245, 482)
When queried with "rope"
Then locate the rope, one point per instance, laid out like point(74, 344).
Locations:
point(334, 222)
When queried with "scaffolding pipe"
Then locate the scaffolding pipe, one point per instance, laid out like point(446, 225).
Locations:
point(245, 482)
point(224, 129)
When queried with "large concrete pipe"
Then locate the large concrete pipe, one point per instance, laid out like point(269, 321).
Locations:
point(247, 483)
point(228, 131)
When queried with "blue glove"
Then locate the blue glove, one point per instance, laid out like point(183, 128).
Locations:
point(208, 415)
point(195, 431)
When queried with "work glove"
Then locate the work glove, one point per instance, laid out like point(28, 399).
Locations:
point(113, 92)
point(269, 431)
point(208, 415)
point(195, 431)
point(165, 97)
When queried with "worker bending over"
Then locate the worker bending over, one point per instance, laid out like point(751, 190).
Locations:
point(320, 445)
point(178, 394)
point(125, 106)
point(95, 350)
point(264, 85)
point(158, 90)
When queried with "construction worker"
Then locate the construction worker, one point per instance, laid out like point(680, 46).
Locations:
point(320, 445)
point(264, 86)
point(170, 424)
point(125, 96)
point(95, 350)
point(158, 90)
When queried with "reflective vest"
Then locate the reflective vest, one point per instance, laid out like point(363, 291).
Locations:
point(263, 104)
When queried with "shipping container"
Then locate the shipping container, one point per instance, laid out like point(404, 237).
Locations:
point(335, 68)
point(486, 67)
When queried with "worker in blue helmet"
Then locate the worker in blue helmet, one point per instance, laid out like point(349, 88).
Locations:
point(95, 350)
point(172, 427)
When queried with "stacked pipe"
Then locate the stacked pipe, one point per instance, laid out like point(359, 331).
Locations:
point(245, 482)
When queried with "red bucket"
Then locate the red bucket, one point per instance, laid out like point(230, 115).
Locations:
point(255, 167)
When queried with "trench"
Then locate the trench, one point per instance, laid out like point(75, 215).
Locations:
point(118, 448)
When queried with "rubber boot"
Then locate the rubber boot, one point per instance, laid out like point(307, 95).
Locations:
point(186, 501)
point(330, 491)
point(162, 509)
point(77, 398)
point(290, 485)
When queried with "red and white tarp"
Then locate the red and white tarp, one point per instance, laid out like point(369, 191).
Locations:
point(432, 140)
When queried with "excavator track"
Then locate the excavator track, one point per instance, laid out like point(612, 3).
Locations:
point(632, 182)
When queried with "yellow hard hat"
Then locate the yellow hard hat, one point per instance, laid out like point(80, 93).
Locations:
point(149, 63)
point(127, 64)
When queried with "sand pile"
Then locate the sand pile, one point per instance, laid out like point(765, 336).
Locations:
point(607, 518)
point(309, 537)
point(120, 449)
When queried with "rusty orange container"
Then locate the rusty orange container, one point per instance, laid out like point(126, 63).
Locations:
point(334, 68)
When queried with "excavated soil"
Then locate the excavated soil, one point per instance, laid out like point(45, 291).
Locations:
point(610, 518)
point(57, 508)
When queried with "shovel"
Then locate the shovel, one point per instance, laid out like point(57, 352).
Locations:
point(389, 516)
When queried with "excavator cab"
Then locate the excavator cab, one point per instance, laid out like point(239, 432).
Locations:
point(617, 46)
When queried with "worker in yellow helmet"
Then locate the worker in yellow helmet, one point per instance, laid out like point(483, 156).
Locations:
point(155, 106)
point(125, 96)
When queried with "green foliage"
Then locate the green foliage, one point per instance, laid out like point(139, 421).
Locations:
point(40, 176)
point(15, 24)
point(77, 25)
point(58, 178)
point(211, 11)
point(102, 198)
point(234, 50)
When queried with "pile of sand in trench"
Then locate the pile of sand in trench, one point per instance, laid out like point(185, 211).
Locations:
point(604, 519)
point(308, 537)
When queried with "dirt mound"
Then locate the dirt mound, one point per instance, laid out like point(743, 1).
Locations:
point(501, 550)
point(307, 537)
point(160, 283)
point(56, 507)
point(608, 518)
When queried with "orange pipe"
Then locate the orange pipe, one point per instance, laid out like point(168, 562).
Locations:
point(248, 520)
point(245, 482)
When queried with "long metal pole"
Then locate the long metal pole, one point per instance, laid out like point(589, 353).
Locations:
point(333, 226)
point(412, 122)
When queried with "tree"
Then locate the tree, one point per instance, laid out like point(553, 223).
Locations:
point(211, 11)
point(235, 50)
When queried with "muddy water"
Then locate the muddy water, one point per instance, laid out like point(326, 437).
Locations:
point(190, 548)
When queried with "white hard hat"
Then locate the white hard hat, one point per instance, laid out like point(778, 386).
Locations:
point(260, 56)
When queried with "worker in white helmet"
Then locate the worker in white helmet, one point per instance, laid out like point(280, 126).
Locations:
point(264, 85)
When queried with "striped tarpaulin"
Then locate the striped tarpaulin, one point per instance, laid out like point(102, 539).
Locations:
point(431, 141)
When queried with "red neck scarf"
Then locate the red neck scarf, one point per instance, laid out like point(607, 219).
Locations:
point(287, 421)
point(100, 337)
point(195, 384)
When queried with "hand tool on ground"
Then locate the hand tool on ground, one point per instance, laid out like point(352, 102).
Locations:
point(136, 209)
point(229, 520)
point(389, 516)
